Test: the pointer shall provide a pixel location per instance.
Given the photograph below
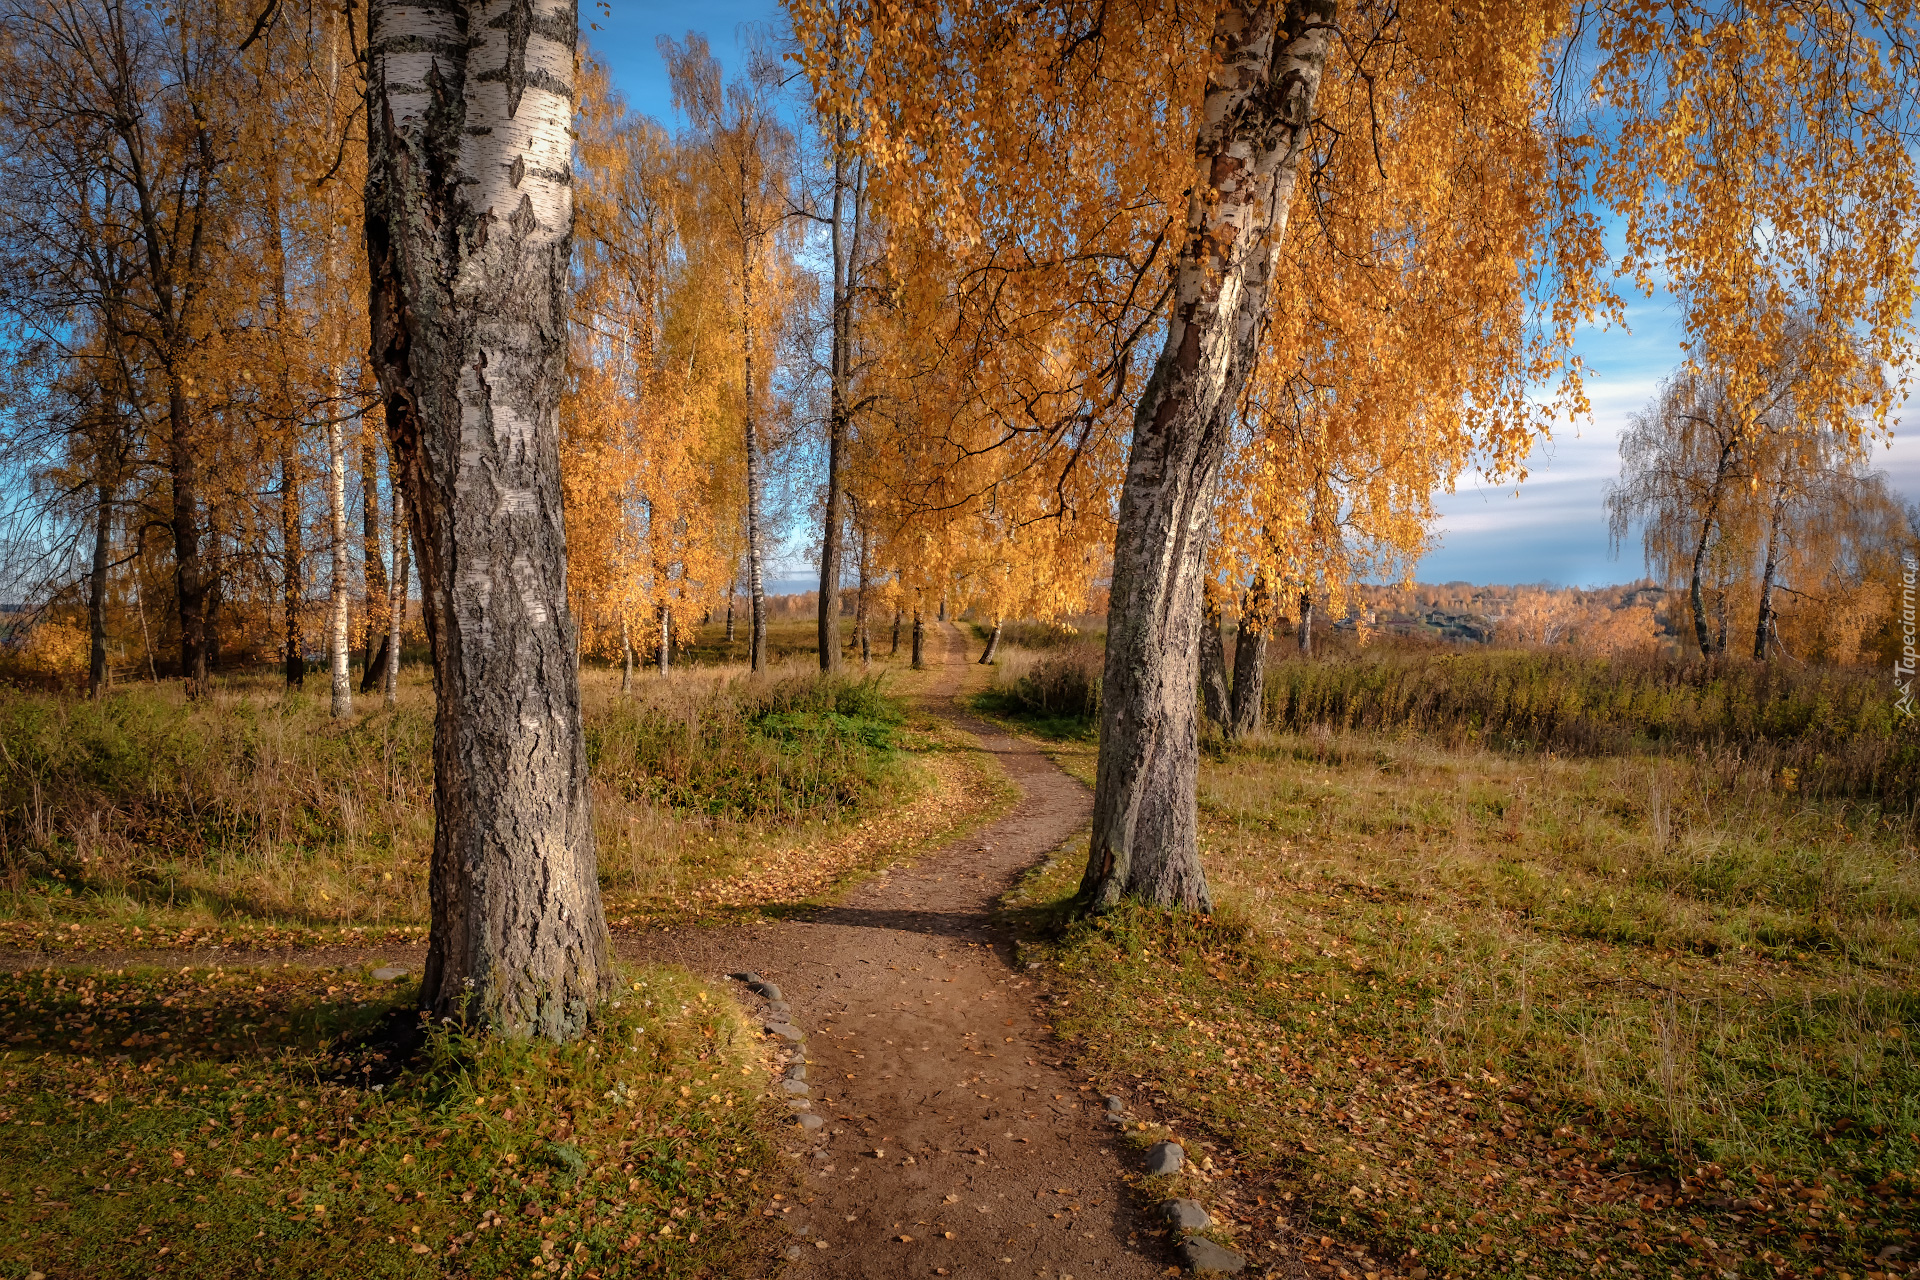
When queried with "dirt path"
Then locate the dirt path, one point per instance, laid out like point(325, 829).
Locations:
point(956, 1143)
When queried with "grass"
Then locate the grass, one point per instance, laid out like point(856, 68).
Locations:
point(253, 805)
point(241, 1122)
point(1829, 731)
point(275, 1120)
point(1503, 1012)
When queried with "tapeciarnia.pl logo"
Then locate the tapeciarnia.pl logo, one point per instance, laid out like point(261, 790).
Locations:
point(1903, 667)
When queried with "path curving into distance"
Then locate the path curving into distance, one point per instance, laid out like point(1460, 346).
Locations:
point(955, 1141)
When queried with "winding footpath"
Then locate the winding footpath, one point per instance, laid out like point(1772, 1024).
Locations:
point(954, 1142)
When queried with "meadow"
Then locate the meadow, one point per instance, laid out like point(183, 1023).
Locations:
point(1505, 982)
point(146, 810)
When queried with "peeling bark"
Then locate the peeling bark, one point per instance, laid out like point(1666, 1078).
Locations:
point(469, 230)
point(1257, 105)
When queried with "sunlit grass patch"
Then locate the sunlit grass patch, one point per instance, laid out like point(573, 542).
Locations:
point(1499, 1014)
point(209, 1122)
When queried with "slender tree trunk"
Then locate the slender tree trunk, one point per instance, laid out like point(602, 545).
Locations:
point(1696, 594)
point(830, 533)
point(337, 542)
point(146, 640)
point(1764, 625)
point(665, 658)
point(943, 608)
point(373, 565)
point(291, 588)
point(1303, 636)
point(626, 657)
point(993, 644)
point(1213, 668)
point(97, 591)
point(189, 567)
point(895, 651)
point(860, 610)
point(919, 642)
point(729, 619)
point(1257, 105)
point(469, 230)
point(756, 568)
point(1250, 661)
point(397, 587)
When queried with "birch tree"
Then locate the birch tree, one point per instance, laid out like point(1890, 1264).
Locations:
point(469, 227)
point(1082, 177)
point(740, 161)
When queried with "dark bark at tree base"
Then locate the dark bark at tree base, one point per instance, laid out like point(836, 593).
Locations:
point(919, 641)
point(1248, 710)
point(376, 667)
point(1213, 669)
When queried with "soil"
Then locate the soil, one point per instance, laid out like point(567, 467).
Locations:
point(956, 1141)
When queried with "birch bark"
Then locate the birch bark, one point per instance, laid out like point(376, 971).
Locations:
point(756, 559)
point(993, 643)
point(337, 542)
point(469, 231)
point(1254, 116)
point(1764, 627)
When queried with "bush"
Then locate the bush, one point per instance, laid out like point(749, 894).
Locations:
point(1060, 683)
point(788, 749)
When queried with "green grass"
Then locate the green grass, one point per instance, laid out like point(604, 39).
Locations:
point(237, 1122)
point(253, 804)
point(1525, 1014)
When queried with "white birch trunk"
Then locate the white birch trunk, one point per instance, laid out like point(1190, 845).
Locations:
point(337, 544)
point(469, 231)
point(1254, 116)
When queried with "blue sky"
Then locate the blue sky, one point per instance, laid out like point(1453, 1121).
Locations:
point(1552, 528)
